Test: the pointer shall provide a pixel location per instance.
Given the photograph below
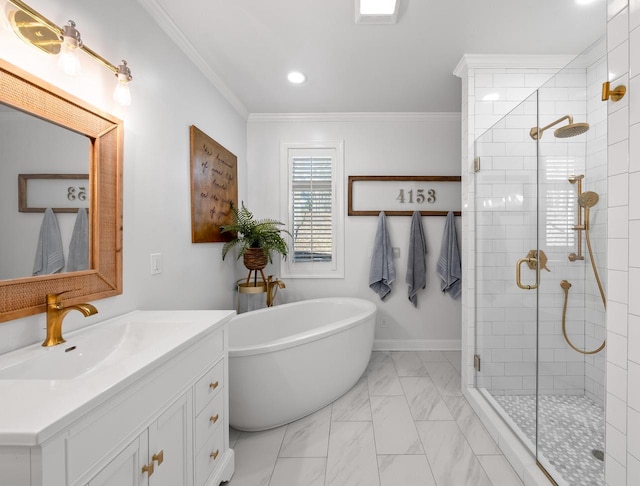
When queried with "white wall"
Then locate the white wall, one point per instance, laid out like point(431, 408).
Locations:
point(169, 94)
point(419, 144)
point(623, 310)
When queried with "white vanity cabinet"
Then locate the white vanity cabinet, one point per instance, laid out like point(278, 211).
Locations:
point(165, 426)
point(158, 457)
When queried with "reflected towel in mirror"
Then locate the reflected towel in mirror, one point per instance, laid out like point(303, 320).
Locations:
point(79, 246)
point(49, 254)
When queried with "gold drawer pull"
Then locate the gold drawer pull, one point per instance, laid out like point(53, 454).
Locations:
point(159, 457)
point(214, 455)
point(214, 385)
point(214, 418)
point(148, 468)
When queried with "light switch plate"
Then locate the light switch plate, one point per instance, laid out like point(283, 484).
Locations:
point(156, 263)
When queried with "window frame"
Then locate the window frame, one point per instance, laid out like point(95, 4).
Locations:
point(317, 269)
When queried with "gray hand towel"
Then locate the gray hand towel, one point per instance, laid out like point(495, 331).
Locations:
point(449, 263)
point(49, 255)
point(79, 246)
point(382, 272)
point(417, 261)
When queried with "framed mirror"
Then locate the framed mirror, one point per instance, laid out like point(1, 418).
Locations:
point(24, 296)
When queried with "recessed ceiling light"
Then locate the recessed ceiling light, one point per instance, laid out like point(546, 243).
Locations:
point(376, 11)
point(584, 2)
point(296, 77)
point(377, 7)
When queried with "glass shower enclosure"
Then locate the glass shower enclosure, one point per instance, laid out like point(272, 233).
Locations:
point(540, 226)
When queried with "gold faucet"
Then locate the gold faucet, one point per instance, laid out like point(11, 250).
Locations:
point(272, 289)
point(55, 315)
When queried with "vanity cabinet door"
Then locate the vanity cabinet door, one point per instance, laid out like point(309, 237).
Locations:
point(170, 446)
point(125, 469)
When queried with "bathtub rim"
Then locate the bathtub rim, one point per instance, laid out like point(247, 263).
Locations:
point(368, 311)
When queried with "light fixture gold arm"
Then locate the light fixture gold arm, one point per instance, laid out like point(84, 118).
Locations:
point(41, 18)
point(59, 31)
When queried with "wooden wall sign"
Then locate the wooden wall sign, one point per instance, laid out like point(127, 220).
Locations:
point(402, 195)
point(214, 187)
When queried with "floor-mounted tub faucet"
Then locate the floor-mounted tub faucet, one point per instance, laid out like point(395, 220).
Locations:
point(272, 289)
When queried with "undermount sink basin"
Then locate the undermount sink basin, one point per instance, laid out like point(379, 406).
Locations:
point(85, 351)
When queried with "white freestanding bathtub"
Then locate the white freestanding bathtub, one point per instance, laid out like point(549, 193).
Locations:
point(288, 361)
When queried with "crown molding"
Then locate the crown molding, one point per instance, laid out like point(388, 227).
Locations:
point(351, 117)
point(512, 61)
point(177, 36)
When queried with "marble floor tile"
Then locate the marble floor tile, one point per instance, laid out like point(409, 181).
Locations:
point(451, 459)
point(307, 471)
point(255, 456)
point(234, 435)
point(430, 356)
point(352, 455)
point(476, 434)
point(424, 400)
point(381, 375)
point(455, 358)
point(445, 377)
point(405, 471)
point(353, 405)
point(393, 427)
point(499, 471)
point(408, 364)
point(308, 437)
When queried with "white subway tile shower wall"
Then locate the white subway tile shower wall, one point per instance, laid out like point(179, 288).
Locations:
point(623, 321)
point(505, 224)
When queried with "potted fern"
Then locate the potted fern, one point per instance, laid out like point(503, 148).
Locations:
point(255, 238)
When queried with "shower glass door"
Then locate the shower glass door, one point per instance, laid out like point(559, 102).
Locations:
point(540, 238)
point(506, 273)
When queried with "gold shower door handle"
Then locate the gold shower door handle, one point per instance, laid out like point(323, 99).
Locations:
point(532, 262)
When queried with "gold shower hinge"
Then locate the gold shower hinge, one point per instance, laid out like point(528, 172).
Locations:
point(476, 362)
point(476, 164)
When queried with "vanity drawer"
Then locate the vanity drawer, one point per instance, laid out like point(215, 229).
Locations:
point(210, 418)
point(209, 457)
point(209, 385)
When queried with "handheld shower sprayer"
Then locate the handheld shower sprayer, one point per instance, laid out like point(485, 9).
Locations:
point(586, 200)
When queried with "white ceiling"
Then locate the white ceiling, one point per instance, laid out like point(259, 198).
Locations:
point(247, 47)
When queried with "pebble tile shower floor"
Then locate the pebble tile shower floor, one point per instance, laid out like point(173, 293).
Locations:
point(571, 427)
point(404, 423)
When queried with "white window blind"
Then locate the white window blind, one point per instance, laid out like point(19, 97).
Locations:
point(312, 209)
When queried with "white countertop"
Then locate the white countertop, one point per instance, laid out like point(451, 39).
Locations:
point(32, 410)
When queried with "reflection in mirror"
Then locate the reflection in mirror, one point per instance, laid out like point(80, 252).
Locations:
point(31, 145)
point(103, 134)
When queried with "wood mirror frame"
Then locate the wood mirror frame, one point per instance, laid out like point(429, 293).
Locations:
point(22, 297)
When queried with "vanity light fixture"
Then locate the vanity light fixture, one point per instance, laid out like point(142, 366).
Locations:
point(296, 77)
point(34, 28)
point(71, 42)
point(122, 95)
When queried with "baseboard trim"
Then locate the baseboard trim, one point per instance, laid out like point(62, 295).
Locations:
point(417, 345)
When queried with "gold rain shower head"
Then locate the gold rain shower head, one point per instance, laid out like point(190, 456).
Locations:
point(570, 130)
